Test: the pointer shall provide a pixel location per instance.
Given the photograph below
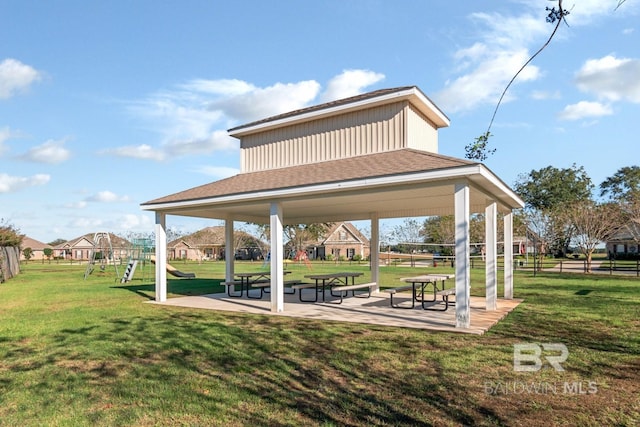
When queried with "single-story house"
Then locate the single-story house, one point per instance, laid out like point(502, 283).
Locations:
point(367, 157)
point(209, 244)
point(37, 248)
point(80, 248)
point(626, 242)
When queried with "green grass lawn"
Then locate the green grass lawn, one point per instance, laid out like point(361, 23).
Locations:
point(76, 352)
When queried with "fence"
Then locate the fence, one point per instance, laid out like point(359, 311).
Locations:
point(598, 266)
point(9, 262)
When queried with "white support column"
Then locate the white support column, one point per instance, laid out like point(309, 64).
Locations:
point(161, 257)
point(374, 251)
point(277, 258)
point(463, 256)
point(229, 250)
point(508, 256)
point(491, 255)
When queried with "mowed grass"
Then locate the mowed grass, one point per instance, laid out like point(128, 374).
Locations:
point(77, 352)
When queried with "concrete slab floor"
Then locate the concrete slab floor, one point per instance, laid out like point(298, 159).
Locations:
point(375, 310)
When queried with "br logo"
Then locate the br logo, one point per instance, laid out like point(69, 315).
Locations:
point(528, 357)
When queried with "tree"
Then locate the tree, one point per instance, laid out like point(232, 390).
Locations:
point(410, 231)
point(624, 185)
point(27, 253)
point(441, 230)
point(542, 230)
point(48, 252)
point(550, 187)
point(298, 236)
point(9, 234)
point(547, 191)
point(593, 224)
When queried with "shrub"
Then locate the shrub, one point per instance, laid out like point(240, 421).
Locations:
point(9, 234)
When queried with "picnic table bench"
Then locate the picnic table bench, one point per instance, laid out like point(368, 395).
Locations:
point(262, 284)
point(337, 283)
point(353, 289)
point(418, 286)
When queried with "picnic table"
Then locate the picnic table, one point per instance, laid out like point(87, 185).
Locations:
point(332, 281)
point(246, 281)
point(419, 285)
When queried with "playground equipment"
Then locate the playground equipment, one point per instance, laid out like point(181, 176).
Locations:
point(101, 251)
point(174, 271)
point(140, 252)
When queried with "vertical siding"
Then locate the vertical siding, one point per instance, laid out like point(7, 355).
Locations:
point(352, 134)
point(422, 134)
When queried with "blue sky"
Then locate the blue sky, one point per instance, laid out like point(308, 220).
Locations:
point(105, 105)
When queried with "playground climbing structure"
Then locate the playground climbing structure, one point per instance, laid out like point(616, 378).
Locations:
point(140, 253)
point(101, 253)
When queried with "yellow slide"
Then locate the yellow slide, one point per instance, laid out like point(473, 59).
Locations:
point(174, 271)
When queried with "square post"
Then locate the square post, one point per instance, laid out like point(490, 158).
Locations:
point(491, 255)
point(374, 251)
point(161, 257)
point(277, 258)
point(508, 256)
point(463, 255)
point(229, 250)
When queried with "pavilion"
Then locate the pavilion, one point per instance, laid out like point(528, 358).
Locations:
point(368, 157)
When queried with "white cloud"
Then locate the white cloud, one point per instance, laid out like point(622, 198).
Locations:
point(482, 70)
point(10, 184)
point(144, 151)
point(5, 135)
point(542, 95)
point(350, 83)
point(193, 118)
point(51, 152)
point(217, 140)
point(486, 82)
point(264, 102)
point(217, 171)
point(585, 109)
point(130, 222)
point(76, 205)
point(106, 197)
point(611, 78)
point(224, 87)
point(16, 77)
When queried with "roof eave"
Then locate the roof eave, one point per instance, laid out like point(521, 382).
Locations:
point(412, 94)
point(510, 199)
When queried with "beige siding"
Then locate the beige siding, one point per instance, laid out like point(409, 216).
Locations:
point(423, 135)
point(357, 133)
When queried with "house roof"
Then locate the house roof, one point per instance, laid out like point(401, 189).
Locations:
point(366, 100)
point(209, 236)
point(28, 242)
point(86, 241)
point(349, 227)
point(397, 183)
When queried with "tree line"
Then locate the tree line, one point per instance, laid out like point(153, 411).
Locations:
point(563, 210)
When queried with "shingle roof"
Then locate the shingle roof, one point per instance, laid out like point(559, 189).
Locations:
point(390, 163)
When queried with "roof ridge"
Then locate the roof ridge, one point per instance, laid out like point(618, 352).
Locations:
point(325, 105)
